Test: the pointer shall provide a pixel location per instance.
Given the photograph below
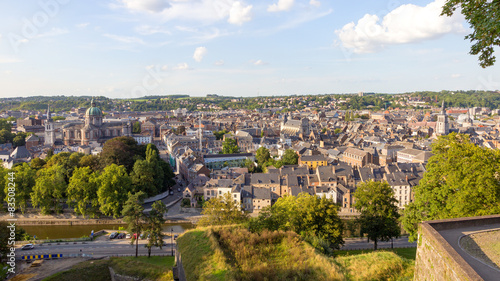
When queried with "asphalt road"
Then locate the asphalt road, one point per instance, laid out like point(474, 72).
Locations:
point(120, 247)
point(360, 243)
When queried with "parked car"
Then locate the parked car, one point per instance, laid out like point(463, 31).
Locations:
point(141, 236)
point(171, 192)
point(113, 235)
point(128, 236)
point(28, 247)
point(175, 237)
point(121, 236)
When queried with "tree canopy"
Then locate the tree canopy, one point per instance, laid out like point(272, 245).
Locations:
point(221, 211)
point(115, 185)
point(484, 19)
point(379, 213)
point(230, 146)
point(462, 180)
point(307, 215)
point(290, 157)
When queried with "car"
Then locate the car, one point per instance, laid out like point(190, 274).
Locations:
point(113, 235)
point(28, 247)
point(175, 237)
point(178, 189)
point(121, 236)
point(128, 236)
point(141, 236)
point(171, 192)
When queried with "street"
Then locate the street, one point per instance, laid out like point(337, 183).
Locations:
point(360, 243)
point(96, 248)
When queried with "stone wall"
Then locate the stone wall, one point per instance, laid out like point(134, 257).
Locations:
point(436, 259)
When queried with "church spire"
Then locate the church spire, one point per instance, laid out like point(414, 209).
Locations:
point(442, 108)
point(48, 111)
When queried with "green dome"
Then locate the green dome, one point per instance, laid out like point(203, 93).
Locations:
point(93, 111)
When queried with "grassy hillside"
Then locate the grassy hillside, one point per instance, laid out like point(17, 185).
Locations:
point(236, 254)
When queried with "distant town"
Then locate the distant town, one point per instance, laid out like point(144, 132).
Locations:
point(260, 149)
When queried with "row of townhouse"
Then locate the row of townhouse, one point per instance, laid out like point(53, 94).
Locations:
point(336, 182)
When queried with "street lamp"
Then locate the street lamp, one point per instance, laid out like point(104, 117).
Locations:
point(172, 240)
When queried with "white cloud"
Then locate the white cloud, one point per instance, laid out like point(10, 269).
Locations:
point(239, 14)
point(405, 24)
point(315, 3)
point(205, 11)
point(199, 53)
point(150, 30)
point(83, 25)
point(181, 66)
point(456, 75)
point(152, 6)
point(219, 62)
point(260, 62)
point(282, 5)
point(124, 39)
point(53, 32)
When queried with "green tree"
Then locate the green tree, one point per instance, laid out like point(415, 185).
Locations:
point(262, 155)
point(3, 180)
point(290, 157)
point(6, 136)
point(137, 128)
point(133, 215)
point(50, 188)
point(142, 176)
point(220, 134)
point(91, 161)
point(120, 151)
point(222, 211)
point(5, 125)
point(24, 181)
point(82, 192)
point(483, 17)
point(337, 131)
point(19, 140)
point(307, 215)
point(115, 184)
point(155, 221)
point(230, 146)
point(379, 213)
point(37, 163)
point(462, 180)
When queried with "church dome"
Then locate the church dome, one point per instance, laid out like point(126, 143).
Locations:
point(93, 110)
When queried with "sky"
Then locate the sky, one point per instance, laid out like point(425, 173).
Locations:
point(134, 48)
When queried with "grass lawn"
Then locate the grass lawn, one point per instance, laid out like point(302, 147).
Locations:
point(407, 253)
point(154, 268)
point(89, 270)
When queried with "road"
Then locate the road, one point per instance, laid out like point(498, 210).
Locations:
point(114, 247)
point(360, 243)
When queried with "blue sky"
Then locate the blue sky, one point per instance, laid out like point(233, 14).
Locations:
point(132, 48)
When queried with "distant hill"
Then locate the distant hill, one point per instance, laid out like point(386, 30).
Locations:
point(233, 253)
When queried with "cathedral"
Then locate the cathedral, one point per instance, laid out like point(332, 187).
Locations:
point(442, 125)
point(93, 130)
point(295, 127)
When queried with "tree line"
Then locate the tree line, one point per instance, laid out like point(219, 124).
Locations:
point(91, 185)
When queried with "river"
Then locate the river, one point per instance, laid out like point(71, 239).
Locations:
point(77, 231)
